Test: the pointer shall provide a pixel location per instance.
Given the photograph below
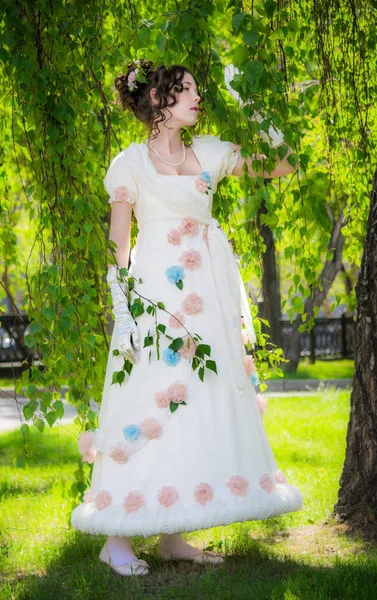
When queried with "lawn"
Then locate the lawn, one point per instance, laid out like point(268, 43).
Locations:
point(304, 555)
point(322, 369)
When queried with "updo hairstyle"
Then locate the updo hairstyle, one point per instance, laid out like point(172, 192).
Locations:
point(167, 80)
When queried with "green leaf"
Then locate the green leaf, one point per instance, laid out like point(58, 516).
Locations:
point(161, 305)
point(253, 71)
point(203, 349)
point(195, 363)
point(237, 20)
point(250, 38)
point(210, 364)
point(148, 341)
point(282, 150)
point(39, 424)
point(270, 7)
point(59, 407)
point(298, 304)
point(25, 429)
point(118, 377)
point(51, 417)
point(179, 284)
point(201, 373)
point(29, 409)
point(173, 406)
point(137, 308)
point(176, 344)
point(292, 159)
point(291, 314)
point(128, 365)
point(161, 327)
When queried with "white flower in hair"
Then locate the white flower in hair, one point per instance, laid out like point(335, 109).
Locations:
point(131, 79)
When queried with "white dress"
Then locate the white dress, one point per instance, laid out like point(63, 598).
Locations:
point(177, 448)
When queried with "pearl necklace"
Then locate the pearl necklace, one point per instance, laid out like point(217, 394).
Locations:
point(167, 162)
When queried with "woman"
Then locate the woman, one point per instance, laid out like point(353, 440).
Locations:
point(181, 444)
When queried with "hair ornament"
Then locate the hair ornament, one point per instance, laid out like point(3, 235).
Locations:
point(131, 79)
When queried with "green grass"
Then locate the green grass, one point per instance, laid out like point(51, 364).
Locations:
point(304, 555)
point(322, 369)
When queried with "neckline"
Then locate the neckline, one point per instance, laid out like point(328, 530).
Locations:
point(150, 162)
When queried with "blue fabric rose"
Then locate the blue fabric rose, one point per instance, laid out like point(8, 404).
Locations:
point(171, 358)
point(175, 273)
point(131, 432)
point(206, 176)
point(254, 379)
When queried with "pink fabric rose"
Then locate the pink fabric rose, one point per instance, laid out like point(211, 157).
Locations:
point(167, 495)
point(173, 320)
point(88, 496)
point(192, 304)
point(89, 456)
point(162, 399)
point(262, 404)
point(189, 226)
point(189, 347)
point(177, 392)
point(87, 448)
point(103, 500)
point(238, 485)
point(249, 364)
point(133, 501)
point(267, 483)
point(174, 237)
point(122, 194)
point(191, 259)
point(245, 337)
point(151, 428)
point(86, 441)
point(280, 477)
point(203, 493)
point(119, 454)
point(201, 185)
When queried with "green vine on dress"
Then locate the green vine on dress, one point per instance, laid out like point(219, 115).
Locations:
point(198, 360)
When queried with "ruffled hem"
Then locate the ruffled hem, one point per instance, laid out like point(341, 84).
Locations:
point(149, 521)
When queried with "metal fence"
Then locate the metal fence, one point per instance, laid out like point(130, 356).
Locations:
point(330, 336)
point(333, 336)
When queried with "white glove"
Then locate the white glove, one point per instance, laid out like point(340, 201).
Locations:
point(128, 335)
point(274, 137)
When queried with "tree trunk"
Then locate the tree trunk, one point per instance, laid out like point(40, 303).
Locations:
point(330, 271)
point(270, 284)
point(357, 499)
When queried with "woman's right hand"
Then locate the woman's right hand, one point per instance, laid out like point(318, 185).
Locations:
point(128, 335)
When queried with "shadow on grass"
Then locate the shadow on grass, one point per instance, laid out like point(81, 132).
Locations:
point(252, 570)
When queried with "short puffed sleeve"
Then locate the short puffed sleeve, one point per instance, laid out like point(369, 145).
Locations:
point(121, 179)
point(222, 155)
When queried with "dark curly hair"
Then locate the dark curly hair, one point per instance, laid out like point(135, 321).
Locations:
point(167, 80)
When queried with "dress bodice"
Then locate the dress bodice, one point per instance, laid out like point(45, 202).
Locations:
point(132, 177)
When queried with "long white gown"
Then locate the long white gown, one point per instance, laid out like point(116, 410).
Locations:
point(209, 462)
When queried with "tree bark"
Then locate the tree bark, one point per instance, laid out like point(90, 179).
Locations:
point(357, 498)
point(270, 284)
point(330, 271)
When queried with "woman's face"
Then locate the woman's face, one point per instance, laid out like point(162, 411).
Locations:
point(185, 111)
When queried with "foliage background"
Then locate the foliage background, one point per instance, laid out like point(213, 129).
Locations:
point(308, 67)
